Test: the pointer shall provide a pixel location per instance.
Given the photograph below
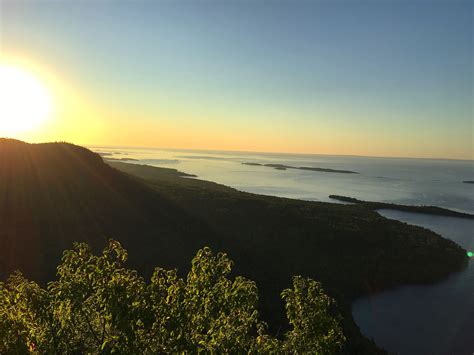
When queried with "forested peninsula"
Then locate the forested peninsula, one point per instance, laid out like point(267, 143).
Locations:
point(56, 194)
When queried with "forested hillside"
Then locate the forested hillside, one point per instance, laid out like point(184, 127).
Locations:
point(52, 195)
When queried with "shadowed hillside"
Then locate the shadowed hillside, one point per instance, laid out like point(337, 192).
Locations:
point(54, 194)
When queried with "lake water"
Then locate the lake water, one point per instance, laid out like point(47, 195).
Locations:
point(405, 181)
point(435, 319)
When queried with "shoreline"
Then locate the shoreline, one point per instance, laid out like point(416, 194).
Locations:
point(371, 266)
point(431, 210)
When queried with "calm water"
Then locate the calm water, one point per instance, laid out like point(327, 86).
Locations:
point(406, 181)
point(435, 319)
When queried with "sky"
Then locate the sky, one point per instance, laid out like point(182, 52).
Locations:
point(373, 77)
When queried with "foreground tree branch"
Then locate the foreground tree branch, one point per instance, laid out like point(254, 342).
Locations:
point(99, 306)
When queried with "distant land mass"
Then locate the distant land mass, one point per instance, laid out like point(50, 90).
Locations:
point(54, 194)
point(284, 167)
point(468, 181)
point(434, 210)
point(121, 159)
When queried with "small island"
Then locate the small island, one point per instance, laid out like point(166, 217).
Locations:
point(468, 181)
point(121, 159)
point(434, 210)
point(284, 167)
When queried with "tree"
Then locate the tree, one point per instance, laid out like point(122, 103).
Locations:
point(99, 306)
point(310, 313)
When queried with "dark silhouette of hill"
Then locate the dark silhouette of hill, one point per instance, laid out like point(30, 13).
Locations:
point(56, 193)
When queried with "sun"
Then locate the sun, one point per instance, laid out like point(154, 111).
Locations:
point(25, 102)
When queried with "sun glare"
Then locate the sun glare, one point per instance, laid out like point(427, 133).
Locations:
point(24, 101)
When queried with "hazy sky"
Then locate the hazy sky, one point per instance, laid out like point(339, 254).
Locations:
point(385, 78)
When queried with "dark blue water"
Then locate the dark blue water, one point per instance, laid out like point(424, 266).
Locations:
point(434, 319)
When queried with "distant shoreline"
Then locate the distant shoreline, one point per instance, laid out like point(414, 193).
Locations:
point(433, 210)
point(120, 159)
point(93, 147)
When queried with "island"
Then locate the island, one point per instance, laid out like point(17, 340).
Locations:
point(121, 159)
point(284, 167)
point(468, 181)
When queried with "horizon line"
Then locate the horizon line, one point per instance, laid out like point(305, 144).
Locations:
point(240, 151)
point(272, 152)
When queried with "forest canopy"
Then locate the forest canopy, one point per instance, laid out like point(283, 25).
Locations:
point(97, 305)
